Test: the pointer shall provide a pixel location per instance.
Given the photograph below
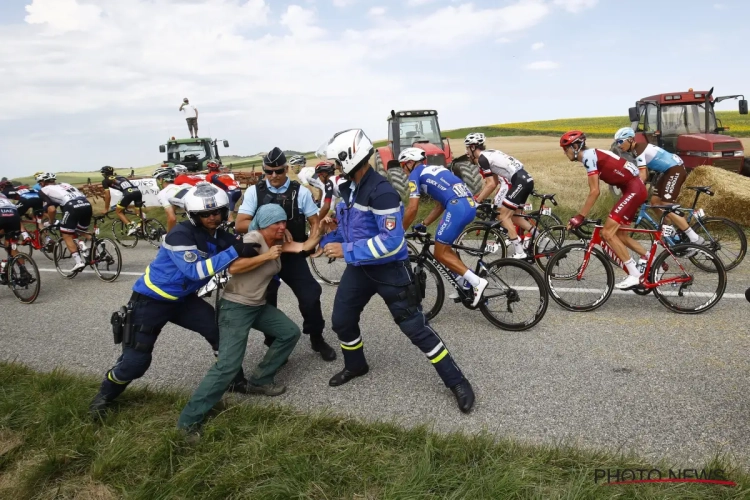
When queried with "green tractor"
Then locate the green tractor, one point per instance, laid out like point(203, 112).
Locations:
point(193, 153)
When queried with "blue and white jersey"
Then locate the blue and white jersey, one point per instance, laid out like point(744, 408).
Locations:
point(437, 182)
point(657, 159)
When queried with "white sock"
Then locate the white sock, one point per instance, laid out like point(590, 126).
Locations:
point(517, 245)
point(472, 278)
point(691, 234)
point(77, 257)
point(632, 269)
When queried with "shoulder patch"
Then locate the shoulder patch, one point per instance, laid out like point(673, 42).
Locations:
point(390, 222)
point(412, 186)
point(190, 256)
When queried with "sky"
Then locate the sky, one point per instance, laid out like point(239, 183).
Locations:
point(86, 83)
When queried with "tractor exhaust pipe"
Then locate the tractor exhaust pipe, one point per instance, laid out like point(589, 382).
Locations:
point(707, 113)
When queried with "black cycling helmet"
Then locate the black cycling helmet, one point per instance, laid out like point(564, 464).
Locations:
point(275, 158)
point(107, 170)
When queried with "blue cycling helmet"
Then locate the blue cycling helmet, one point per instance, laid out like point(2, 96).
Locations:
point(624, 134)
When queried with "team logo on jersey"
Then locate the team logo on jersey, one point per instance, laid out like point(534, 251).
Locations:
point(189, 256)
point(390, 222)
point(412, 186)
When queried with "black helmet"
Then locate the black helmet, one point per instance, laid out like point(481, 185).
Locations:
point(107, 170)
point(275, 158)
point(325, 166)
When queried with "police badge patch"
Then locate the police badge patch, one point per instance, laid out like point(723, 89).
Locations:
point(189, 256)
point(390, 222)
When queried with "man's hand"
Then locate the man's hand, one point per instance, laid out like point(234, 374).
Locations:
point(576, 221)
point(334, 250)
point(419, 228)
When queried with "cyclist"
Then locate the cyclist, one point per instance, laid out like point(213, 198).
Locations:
point(170, 195)
point(130, 194)
point(76, 210)
point(225, 182)
point(184, 178)
point(453, 198)
point(297, 162)
point(10, 222)
point(305, 175)
point(671, 174)
point(618, 172)
point(28, 199)
point(327, 183)
point(494, 165)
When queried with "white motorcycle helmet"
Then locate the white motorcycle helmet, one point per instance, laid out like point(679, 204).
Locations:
point(351, 149)
point(205, 197)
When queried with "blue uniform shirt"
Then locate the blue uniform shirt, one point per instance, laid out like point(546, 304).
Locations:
point(305, 201)
point(370, 226)
point(437, 182)
point(185, 262)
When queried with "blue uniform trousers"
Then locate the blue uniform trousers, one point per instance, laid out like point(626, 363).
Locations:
point(393, 282)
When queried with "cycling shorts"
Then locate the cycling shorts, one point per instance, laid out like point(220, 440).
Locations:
point(634, 195)
point(234, 196)
point(76, 216)
point(459, 212)
point(521, 186)
point(135, 197)
point(35, 204)
point(501, 193)
point(10, 220)
point(670, 183)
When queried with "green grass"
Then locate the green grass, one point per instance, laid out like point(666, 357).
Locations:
point(49, 448)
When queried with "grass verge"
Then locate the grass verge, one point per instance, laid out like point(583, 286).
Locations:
point(49, 448)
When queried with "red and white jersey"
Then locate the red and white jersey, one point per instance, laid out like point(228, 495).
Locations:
point(225, 179)
point(610, 168)
point(496, 162)
point(62, 193)
point(188, 179)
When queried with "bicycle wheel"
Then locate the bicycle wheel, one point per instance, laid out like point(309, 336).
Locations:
point(106, 260)
point(548, 221)
point(703, 290)
point(584, 294)
point(724, 238)
point(430, 285)
point(23, 278)
point(154, 231)
point(412, 248)
point(63, 260)
point(550, 241)
point(48, 249)
point(327, 269)
point(120, 232)
point(472, 237)
point(515, 298)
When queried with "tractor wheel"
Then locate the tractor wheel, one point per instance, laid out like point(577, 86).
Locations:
point(470, 175)
point(745, 170)
point(379, 168)
point(398, 180)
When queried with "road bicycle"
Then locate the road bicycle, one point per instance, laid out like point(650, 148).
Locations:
point(20, 273)
point(515, 298)
point(38, 239)
point(148, 229)
point(722, 236)
point(103, 255)
point(581, 277)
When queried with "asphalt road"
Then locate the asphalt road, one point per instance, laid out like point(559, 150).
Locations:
point(630, 376)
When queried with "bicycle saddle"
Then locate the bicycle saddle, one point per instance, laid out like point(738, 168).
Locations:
point(702, 189)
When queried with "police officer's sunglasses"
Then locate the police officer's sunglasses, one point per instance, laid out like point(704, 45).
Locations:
point(206, 215)
point(271, 172)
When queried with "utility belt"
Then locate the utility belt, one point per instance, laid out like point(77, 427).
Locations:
point(123, 329)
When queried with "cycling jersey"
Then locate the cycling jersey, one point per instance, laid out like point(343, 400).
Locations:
point(224, 181)
point(119, 183)
point(10, 220)
point(657, 159)
point(188, 179)
point(437, 182)
point(6, 204)
point(492, 161)
point(172, 195)
point(60, 194)
point(28, 199)
point(610, 168)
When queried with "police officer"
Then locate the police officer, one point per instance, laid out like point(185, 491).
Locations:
point(299, 205)
point(191, 253)
point(370, 237)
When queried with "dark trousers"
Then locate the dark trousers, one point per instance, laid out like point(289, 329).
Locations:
point(149, 317)
point(297, 275)
point(394, 282)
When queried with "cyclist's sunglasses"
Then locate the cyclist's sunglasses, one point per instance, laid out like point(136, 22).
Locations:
point(206, 215)
point(270, 172)
point(620, 141)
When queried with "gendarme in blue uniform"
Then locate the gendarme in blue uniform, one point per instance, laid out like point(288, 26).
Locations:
point(371, 233)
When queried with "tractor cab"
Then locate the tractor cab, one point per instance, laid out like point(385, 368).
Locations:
point(193, 153)
point(418, 129)
point(685, 123)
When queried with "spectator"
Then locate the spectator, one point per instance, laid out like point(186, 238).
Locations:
point(191, 115)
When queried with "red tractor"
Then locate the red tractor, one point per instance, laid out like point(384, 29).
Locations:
point(684, 123)
point(420, 129)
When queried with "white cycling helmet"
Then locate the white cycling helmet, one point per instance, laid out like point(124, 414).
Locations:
point(624, 133)
point(474, 139)
point(48, 176)
point(351, 149)
point(413, 154)
point(205, 197)
point(166, 173)
point(180, 169)
point(40, 176)
point(298, 160)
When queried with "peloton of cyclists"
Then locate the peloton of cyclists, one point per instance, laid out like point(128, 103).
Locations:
point(130, 194)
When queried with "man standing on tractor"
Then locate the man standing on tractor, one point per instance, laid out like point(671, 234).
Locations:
point(493, 165)
point(454, 198)
point(191, 116)
point(130, 194)
point(615, 171)
point(671, 174)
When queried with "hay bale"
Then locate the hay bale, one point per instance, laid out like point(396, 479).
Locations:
point(731, 193)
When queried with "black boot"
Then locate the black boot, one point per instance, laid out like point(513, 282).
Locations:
point(319, 345)
point(464, 395)
point(238, 386)
point(98, 407)
point(345, 376)
point(268, 340)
